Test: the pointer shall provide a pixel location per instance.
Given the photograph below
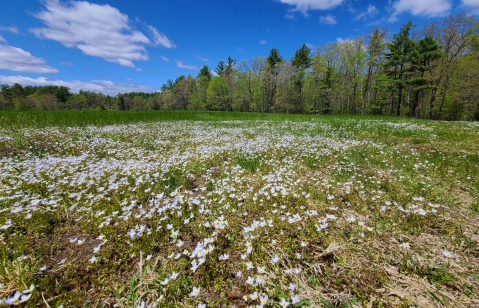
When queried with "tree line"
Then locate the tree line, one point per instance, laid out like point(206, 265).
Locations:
point(429, 72)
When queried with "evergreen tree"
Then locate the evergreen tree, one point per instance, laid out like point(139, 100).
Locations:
point(397, 60)
point(302, 59)
point(231, 63)
point(426, 52)
point(220, 69)
point(274, 59)
point(205, 73)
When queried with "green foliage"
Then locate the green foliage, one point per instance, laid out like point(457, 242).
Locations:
point(274, 58)
point(302, 58)
point(250, 162)
point(205, 73)
point(217, 93)
point(220, 68)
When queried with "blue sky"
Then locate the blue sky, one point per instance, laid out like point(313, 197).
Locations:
point(122, 45)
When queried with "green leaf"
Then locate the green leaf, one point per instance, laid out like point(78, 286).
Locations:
point(303, 302)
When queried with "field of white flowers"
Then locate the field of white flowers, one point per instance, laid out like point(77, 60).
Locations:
point(326, 212)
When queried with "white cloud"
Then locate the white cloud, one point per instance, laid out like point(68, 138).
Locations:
point(11, 29)
point(340, 40)
point(471, 5)
point(328, 20)
point(428, 8)
point(159, 39)
point(307, 5)
point(370, 12)
point(67, 63)
point(104, 86)
point(180, 64)
point(203, 59)
point(97, 30)
point(139, 69)
point(290, 15)
point(263, 42)
point(214, 73)
point(165, 59)
point(18, 60)
point(311, 46)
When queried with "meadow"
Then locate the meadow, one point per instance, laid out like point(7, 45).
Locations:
point(211, 209)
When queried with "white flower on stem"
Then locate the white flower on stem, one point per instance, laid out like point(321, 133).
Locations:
point(224, 257)
point(174, 275)
point(15, 300)
point(250, 280)
point(404, 245)
point(93, 259)
point(254, 296)
point(447, 254)
point(201, 305)
point(274, 260)
point(21, 258)
point(29, 290)
point(292, 286)
point(148, 257)
point(294, 299)
point(263, 300)
point(261, 270)
point(164, 282)
point(351, 218)
point(24, 298)
point(96, 249)
point(283, 303)
point(195, 292)
point(62, 261)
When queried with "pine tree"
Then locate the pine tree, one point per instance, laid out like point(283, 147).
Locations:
point(274, 59)
point(301, 61)
point(397, 60)
point(220, 69)
point(426, 52)
point(205, 73)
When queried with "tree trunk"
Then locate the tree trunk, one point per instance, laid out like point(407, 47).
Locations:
point(432, 102)
point(442, 103)
point(398, 108)
point(414, 105)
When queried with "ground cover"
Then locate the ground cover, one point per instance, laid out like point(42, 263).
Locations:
point(185, 209)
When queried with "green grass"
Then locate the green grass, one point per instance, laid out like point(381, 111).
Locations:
point(39, 119)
